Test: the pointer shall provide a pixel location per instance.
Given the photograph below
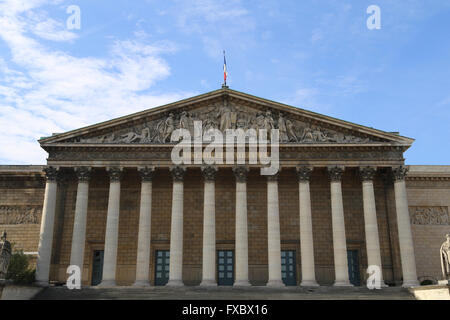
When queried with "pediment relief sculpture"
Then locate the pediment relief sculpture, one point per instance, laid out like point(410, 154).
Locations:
point(223, 116)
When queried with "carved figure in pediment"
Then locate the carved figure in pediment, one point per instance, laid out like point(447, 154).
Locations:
point(225, 115)
point(209, 124)
point(290, 129)
point(283, 129)
point(241, 123)
point(185, 121)
point(108, 138)
point(260, 120)
point(129, 137)
point(164, 129)
point(307, 135)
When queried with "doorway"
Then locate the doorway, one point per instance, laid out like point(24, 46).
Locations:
point(97, 267)
point(288, 267)
point(225, 267)
point(353, 267)
point(162, 263)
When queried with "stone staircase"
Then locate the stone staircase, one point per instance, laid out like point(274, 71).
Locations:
point(224, 293)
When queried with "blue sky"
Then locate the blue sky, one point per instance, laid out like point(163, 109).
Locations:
point(134, 55)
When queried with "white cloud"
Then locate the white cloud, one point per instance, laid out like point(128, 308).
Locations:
point(43, 90)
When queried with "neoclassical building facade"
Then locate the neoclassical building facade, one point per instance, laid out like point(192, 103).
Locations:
point(112, 201)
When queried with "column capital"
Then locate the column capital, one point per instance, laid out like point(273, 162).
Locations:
point(367, 173)
point(304, 173)
point(178, 173)
point(115, 174)
point(335, 173)
point(400, 172)
point(146, 173)
point(209, 173)
point(83, 173)
point(51, 173)
point(240, 173)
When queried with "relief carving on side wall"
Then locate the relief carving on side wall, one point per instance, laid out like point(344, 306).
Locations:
point(223, 116)
point(429, 215)
point(20, 214)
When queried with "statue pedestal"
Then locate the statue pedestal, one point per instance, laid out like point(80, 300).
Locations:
point(439, 291)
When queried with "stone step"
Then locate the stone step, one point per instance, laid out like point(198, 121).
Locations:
point(223, 293)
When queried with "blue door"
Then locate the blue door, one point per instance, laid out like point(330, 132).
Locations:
point(225, 267)
point(288, 266)
point(162, 267)
point(97, 267)
point(353, 267)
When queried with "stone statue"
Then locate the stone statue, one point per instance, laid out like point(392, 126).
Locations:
point(5, 255)
point(184, 121)
point(164, 129)
point(225, 117)
point(291, 131)
point(283, 129)
point(445, 258)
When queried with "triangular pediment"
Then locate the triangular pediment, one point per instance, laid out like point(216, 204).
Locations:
point(226, 109)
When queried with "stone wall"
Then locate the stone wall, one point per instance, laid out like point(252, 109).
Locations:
point(429, 202)
point(21, 198)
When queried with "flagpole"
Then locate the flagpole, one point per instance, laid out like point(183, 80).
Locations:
point(224, 69)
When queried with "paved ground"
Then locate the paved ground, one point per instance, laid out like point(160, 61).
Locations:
point(225, 293)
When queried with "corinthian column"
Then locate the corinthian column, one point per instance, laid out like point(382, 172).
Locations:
point(273, 233)
point(209, 228)
point(241, 241)
point(144, 235)
point(306, 231)
point(47, 225)
point(112, 228)
point(79, 225)
point(370, 220)
point(404, 228)
point(176, 231)
point(337, 217)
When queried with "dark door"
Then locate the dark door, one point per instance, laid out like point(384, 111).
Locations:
point(162, 267)
point(97, 267)
point(353, 267)
point(225, 267)
point(288, 267)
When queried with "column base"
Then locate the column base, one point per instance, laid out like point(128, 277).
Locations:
point(43, 284)
point(175, 283)
point(410, 283)
point(208, 283)
point(241, 283)
point(343, 284)
point(141, 283)
point(275, 284)
point(309, 283)
point(107, 283)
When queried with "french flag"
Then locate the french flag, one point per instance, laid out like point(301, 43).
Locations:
point(225, 73)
